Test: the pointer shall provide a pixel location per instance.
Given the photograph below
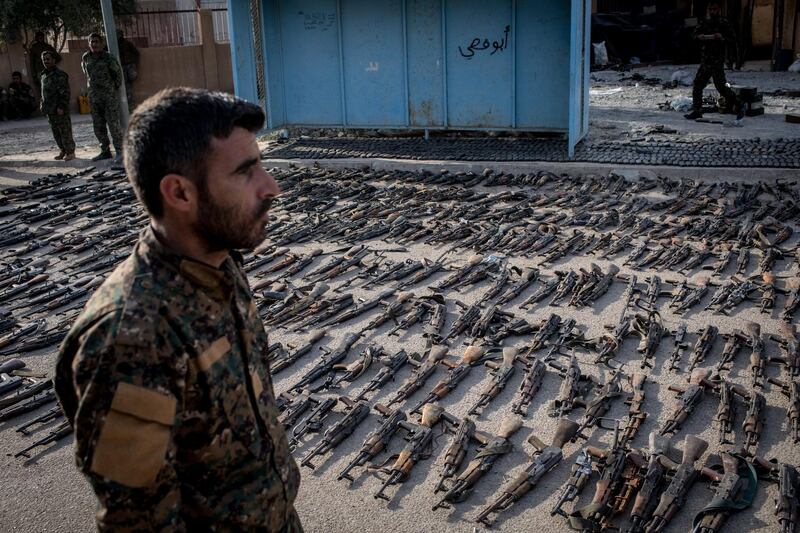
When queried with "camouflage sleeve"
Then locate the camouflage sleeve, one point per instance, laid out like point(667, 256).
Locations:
point(128, 398)
point(63, 92)
point(115, 71)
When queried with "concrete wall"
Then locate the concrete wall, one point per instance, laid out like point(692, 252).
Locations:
point(207, 65)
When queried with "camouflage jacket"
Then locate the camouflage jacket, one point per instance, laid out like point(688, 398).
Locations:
point(165, 380)
point(713, 52)
point(55, 91)
point(103, 73)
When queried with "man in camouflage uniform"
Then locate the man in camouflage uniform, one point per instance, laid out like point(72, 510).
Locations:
point(55, 104)
point(714, 33)
point(103, 77)
point(164, 375)
point(37, 48)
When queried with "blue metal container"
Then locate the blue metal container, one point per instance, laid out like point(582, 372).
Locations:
point(427, 64)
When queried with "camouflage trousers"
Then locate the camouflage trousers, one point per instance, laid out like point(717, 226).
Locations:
point(106, 118)
point(62, 132)
point(706, 73)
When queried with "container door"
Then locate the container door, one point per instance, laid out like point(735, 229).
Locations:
point(579, 74)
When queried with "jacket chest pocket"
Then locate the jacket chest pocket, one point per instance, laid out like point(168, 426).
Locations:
point(225, 377)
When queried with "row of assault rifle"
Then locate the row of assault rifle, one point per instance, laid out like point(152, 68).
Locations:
point(22, 392)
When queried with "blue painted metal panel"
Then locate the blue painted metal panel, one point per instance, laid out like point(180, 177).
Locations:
point(578, 74)
point(472, 64)
point(312, 83)
point(373, 53)
point(273, 66)
point(542, 61)
point(479, 59)
point(425, 63)
point(242, 56)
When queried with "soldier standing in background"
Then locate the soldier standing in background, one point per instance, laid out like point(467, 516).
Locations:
point(164, 376)
point(37, 48)
point(103, 77)
point(129, 57)
point(715, 34)
point(20, 101)
point(55, 104)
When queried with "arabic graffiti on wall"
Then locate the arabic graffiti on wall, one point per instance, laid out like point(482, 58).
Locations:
point(318, 21)
point(478, 45)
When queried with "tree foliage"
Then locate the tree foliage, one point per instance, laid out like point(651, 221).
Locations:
point(20, 19)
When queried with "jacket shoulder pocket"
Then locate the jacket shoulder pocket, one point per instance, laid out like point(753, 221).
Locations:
point(132, 446)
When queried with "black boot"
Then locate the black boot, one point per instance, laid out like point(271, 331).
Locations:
point(105, 154)
point(695, 114)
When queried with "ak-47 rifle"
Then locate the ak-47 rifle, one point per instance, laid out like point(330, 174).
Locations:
point(685, 474)
point(457, 276)
point(391, 365)
point(544, 460)
point(688, 398)
point(423, 371)
point(652, 483)
point(651, 331)
point(790, 349)
point(501, 373)
point(547, 328)
point(612, 463)
point(465, 321)
point(703, 345)
point(726, 411)
point(599, 405)
point(352, 371)
point(392, 311)
point(457, 451)
point(288, 359)
point(528, 276)
point(473, 355)
point(579, 477)
point(636, 415)
point(787, 503)
point(327, 361)
point(609, 343)
point(734, 341)
point(544, 291)
point(343, 428)
point(292, 407)
point(33, 403)
point(299, 306)
point(59, 432)
point(677, 352)
point(792, 300)
point(420, 441)
point(319, 312)
point(418, 310)
point(25, 393)
point(754, 419)
point(758, 357)
point(492, 448)
point(574, 386)
point(313, 422)
point(51, 414)
point(376, 441)
point(534, 373)
point(358, 310)
point(792, 390)
point(736, 490)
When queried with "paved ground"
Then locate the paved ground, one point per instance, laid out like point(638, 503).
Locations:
point(46, 493)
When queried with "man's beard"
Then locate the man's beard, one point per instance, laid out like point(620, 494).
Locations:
point(229, 228)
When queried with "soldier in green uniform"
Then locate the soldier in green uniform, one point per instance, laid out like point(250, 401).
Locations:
point(715, 34)
point(103, 77)
point(164, 376)
point(55, 104)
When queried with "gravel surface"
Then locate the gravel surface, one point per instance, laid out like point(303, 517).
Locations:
point(46, 493)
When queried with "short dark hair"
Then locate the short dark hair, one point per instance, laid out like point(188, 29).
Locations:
point(16, 73)
point(171, 132)
point(95, 34)
point(49, 53)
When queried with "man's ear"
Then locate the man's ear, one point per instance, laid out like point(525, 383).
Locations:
point(178, 193)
